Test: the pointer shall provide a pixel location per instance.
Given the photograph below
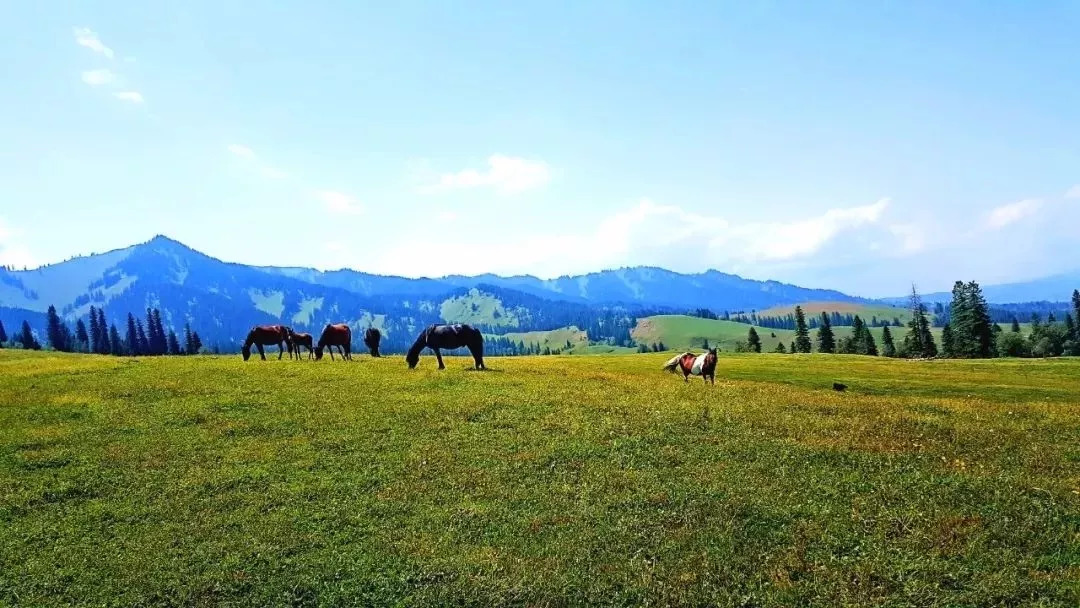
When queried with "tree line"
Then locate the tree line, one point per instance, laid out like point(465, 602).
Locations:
point(969, 333)
point(102, 338)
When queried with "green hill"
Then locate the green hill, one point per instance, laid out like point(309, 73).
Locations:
point(867, 311)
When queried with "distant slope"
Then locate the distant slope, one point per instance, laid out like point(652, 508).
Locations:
point(866, 311)
point(1057, 288)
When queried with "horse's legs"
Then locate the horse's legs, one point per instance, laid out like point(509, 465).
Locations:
point(438, 356)
point(281, 350)
point(331, 349)
point(348, 352)
point(261, 352)
point(478, 359)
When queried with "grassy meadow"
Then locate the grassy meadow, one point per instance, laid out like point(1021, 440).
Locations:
point(547, 481)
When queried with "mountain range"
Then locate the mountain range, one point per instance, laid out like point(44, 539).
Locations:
point(223, 300)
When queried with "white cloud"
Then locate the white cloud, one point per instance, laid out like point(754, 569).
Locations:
point(98, 77)
point(241, 150)
point(645, 234)
point(338, 202)
point(86, 37)
point(132, 96)
point(506, 174)
point(911, 237)
point(12, 252)
point(1073, 192)
point(1012, 213)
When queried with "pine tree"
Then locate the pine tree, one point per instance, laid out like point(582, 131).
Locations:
point(161, 346)
point(918, 342)
point(948, 343)
point(961, 324)
point(196, 341)
point(189, 344)
point(54, 330)
point(888, 347)
point(103, 327)
point(116, 346)
point(144, 344)
point(791, 349)
point(802, 334)
point(3, 334)
point(753, 342)
point(780, 348)
point(1015, 326)
point(826, 340)
point(132, 338)
point(81, 337)
point(174, 346)
point(26, 337)
point(982, 338)
point(95, 332)
point(1076, 310)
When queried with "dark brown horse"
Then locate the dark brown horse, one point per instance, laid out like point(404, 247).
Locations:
point(449, 337)
point(268, 335)
point(305, 340)
point(338, 335)
point(371, 340)
point(689, 364)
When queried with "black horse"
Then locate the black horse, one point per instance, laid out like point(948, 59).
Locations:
point(449, 337)
point(371, 340)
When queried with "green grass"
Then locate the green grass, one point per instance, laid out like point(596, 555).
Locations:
point(478, 308)
point(866, 311)
point(548, 481)
point(555, 338)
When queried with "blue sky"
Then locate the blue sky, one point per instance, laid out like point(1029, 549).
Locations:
point(849, 145)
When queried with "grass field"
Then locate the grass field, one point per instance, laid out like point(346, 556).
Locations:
point(867, 311)
point(547, 481)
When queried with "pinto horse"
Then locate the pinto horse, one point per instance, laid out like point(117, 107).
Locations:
point(689, 364)
point(338, 335)
point(371, 340)
point(305, 340)
point(449, 337)
point(268, 335)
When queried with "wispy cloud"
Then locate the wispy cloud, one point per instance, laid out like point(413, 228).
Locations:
point(340, 203)
point(86, 37)
point(12, 251)
point(131, 96)
point(1073, 192)
point(506, 174)
point(1012, 213)
point(241, 150)
point(99, 77)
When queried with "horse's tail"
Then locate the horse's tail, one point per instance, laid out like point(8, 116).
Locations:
point(673, 363)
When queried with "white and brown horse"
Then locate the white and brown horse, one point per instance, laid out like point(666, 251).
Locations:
point(689, 364)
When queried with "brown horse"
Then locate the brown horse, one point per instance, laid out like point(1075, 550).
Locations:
point(689, 364)
point(268, 335)
point(338, 335)
point(305, 340)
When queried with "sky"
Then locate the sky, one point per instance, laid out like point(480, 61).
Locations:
point(857, 146)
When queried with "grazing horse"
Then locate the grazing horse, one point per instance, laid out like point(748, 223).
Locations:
point(338, 335)
point(449, 337)
point(371, 340)
point(703, 365)
point(305, 340)
point(268, 335)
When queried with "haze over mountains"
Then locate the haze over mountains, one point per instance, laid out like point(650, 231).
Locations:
point(222, 300)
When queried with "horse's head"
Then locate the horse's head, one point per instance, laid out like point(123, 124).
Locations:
point(412, 359)
point(246, 351)
point(318, 353)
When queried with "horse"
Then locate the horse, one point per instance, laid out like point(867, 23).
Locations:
point(371, 340)
point(703, 365)
point(305, 340)
point(449, 337)
point(338, 335)
point(268, 335)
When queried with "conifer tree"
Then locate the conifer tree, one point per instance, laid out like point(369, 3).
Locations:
point(802, 334)
point(95, 332)
point(144, 344)
point(1076, 311)
point(753, 342)
point(27, 339)
point(132, 338)
point(791, 349)
point(918, 342)
point(174, 346)
point(3, 334)
point(162, 345)
point(961, 342)
point(103, 327)
point(888, 347)
point(1015, 326)
point(82, 337)
point(948, 344)
point(780, 348)
point(826, 340)
point(982, 338)
point(189, 344)
point(116, 346)
point(54, 330)
point(196, 342)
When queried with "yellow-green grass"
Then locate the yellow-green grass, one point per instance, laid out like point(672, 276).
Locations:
point(867, 311)
point(547, 481)
point(555, 338)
